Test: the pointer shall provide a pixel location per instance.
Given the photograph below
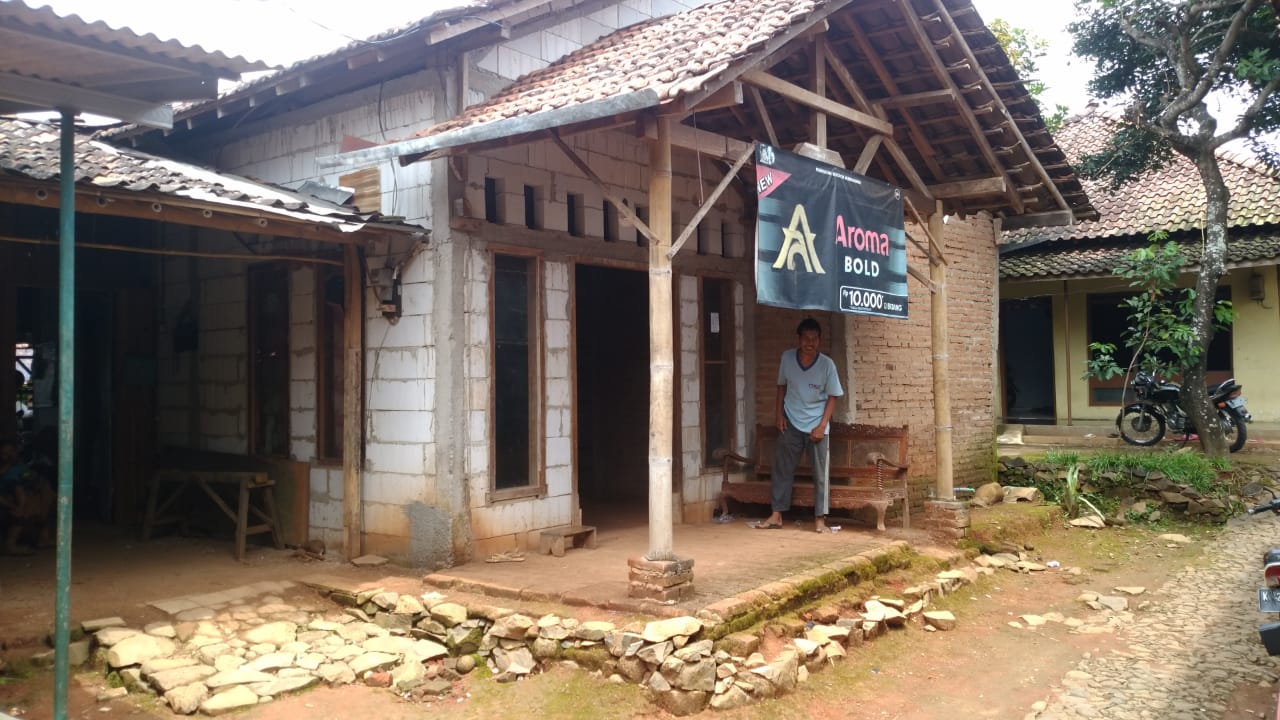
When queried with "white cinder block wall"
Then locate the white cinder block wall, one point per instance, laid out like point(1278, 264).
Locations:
point(403, 462)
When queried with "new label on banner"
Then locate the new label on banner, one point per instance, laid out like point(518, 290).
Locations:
point(827, 238)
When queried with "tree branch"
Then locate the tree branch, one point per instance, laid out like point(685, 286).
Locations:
point(1250, 114)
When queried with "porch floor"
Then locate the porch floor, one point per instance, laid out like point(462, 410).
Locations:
point(113, 574)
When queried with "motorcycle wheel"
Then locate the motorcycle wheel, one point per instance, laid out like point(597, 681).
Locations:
point(1140, 427)
point(1233, 428)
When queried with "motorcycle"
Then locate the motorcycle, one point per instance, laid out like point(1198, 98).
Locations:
point(1159, 406)
point(1269, 593)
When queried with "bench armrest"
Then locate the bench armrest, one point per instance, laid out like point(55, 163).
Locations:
point(726, 456)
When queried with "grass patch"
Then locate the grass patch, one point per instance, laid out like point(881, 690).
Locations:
point(1183, 468)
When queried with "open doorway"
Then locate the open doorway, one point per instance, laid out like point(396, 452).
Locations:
point(1026, 340)
point(612, 395)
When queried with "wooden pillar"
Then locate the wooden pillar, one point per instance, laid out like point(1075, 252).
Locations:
point(819, 69)
point(941, 366)
point(8, 341)
point(353, 402)
point(661, 350)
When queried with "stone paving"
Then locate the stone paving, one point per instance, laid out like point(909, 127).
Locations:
point(1193, 643)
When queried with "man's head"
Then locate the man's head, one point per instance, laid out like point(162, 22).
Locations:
point(8, 451)
point(809, 336)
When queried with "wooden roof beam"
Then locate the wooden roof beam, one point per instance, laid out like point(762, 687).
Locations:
point(969, 188)
point(926, 45)
point(928, 97)
point(951, 28)
point(891, 85)
point(814, 101)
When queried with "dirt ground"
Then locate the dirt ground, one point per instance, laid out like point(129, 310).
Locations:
point(983, 669)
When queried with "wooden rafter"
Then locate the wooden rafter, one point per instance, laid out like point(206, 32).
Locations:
point(886, 78)
point(710, 201)
point(966, 113)
point(609, 195)
point(868, 153)
point(982, 75)
point(969, 188)
point(758, 102)
point(812, 100)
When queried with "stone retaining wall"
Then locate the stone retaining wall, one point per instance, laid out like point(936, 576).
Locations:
point(216, 661)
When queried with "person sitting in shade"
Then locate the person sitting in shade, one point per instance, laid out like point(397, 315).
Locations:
point(808, 386)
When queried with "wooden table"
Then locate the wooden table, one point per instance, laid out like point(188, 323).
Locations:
point(173, 484)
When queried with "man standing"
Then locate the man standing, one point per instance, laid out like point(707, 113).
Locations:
point(807, 390)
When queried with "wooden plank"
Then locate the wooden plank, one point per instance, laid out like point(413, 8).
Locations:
point(353, 404)
point(819, 70)
point(940, 344)
point(706, 206)
point(969, 188)
point(929, 97)
point(703, 142)
point(812, 100)
point(913, 272)
point(1055, 218)
point(758, 102)
point(868, 153)
point(728, 96)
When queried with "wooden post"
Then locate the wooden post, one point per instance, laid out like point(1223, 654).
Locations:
point(819, 61)
point(941, 366)
point(661, 352)
point(352, 402)
point(8, 342)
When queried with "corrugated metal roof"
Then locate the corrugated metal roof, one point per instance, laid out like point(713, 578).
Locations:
point(29, 149)
point(16, 16)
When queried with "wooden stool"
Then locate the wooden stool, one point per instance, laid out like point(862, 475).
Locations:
point(553, 540)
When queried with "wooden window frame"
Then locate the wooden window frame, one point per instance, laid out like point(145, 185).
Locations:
point(537, 486)
point(730, 363)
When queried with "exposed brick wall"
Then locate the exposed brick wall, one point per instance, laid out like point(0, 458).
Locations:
point(893, 360)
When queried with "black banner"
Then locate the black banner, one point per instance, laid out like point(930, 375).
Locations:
point(828, 238)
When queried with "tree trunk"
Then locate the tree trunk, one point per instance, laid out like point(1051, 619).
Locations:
point(1212, 268)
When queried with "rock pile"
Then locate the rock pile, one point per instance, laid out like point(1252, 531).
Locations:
point(215, 662)
point(1163, 497)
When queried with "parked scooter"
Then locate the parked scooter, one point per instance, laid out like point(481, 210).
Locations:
point(1159, 406)
point(1269, 593)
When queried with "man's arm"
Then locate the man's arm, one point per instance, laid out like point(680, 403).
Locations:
point(827, 411)
point(779, 415)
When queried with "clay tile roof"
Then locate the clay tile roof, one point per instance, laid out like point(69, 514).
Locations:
point(29, 150)
point(669, 55)
point(1170, 199)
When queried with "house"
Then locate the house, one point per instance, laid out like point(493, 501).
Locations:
point(506, 370)
point(1058, 292)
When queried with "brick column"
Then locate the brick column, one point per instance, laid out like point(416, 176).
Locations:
point(946, 519)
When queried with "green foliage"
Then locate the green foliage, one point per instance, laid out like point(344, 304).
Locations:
point(1128, 469)
point(1163, 58)
point(1159, 334)
point(1024, 48)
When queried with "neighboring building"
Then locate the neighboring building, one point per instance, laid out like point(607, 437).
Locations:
point(506, 376)
point(1058, 292)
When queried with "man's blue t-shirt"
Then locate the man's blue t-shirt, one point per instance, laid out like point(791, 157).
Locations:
point(807, 389)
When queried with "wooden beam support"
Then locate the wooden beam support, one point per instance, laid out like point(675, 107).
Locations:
point(940, 341)
point(868, 153)
point(1055, 218)
point(930, 97)
point(353, 403)
point(703, 142)
point(710, 201)
point(728, 96)
point(812, 100)
point(661, 350)
point(609, 195)
point(936, 255)
point(969, 188)
point(818, 64)
point(924, 279)
point(966, 113)
point(758, 102)
point(982, 75)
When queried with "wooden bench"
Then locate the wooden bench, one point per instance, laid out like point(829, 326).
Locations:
point(868, 469)
point(554, 540)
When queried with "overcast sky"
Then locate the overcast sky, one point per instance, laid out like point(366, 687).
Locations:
point(281, 32)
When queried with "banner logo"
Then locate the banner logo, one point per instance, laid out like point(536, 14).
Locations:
point(827, 238)
point(798, 239)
